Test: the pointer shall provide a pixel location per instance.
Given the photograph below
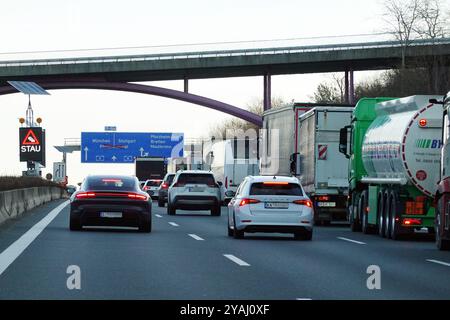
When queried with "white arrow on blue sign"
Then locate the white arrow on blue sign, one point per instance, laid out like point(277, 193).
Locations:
point(124, 147)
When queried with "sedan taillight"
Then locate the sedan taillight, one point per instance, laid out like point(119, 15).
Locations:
point(137, 196)
point(307, 203)
point(129, 195)
point(84, 195)
point(245, 202)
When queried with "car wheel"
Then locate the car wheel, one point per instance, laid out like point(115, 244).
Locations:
point(75, 223)
point(160, 203)
point(237, 234)
point(171, 211)
point(146, 225)
point(216, 211)
point(304, 235)
point(230, 231)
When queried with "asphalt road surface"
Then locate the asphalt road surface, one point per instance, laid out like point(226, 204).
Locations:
point(189, 256)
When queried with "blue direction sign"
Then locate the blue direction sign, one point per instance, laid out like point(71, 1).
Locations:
point(124, 147)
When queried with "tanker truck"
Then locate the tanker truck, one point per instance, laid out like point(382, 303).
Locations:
point(394, 164)
point(442, 198)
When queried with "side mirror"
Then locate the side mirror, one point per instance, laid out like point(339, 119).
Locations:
point(343, 141)
point(79, 184)
point(220, 183)
point(230, 194)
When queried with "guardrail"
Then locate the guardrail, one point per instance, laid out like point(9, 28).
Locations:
point(224, 53)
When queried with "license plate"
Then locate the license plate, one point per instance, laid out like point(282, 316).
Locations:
point(196, 189)
point(111, 214)
point(326, 204)
point(276, 205)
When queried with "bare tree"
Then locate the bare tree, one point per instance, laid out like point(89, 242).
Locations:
point(431, 23)
point(330, 91)
point(402, 17)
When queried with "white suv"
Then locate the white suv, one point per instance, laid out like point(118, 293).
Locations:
point(271, 204)
point(194, 190)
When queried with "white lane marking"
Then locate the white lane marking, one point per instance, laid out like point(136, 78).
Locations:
point(196, 237)
point(174, 224)
point(303, 299)
point(350, 240)
point(158, 216)
point(439, 262)
point(10, 254)
point(236, 260)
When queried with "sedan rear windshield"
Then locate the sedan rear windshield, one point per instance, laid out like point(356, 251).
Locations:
point(196, 179)
point(275, 189)
point(105, 183)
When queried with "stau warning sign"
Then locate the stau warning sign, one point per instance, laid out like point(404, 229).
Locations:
point(32, 144)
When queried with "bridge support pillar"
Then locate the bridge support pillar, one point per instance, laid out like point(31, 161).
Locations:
point(186, 85)
point(349, 87)
point(267, 92)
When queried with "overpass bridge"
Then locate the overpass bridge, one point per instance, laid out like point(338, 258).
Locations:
point(115, 72)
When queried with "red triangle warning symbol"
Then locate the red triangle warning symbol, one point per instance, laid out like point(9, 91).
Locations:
point(30, 139)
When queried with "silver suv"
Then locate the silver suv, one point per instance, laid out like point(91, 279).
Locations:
point(194, 190)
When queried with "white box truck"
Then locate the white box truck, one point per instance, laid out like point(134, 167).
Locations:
point(323, 169)
point(231, 161)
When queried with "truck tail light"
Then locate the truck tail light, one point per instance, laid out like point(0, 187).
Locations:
point(246, 201)
point(415, 207)
point(411, 222)
point(307, 203)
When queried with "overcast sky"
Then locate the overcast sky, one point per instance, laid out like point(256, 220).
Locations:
point(57, 25)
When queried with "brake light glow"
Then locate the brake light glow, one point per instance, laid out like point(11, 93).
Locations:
point(137, 196)
point(275, 183)
point(129, 195)
point(246, 201)
point(84, 195)
point(323, 198)
point(412, 222)
point(146, 188)
point(165, 186)
point(307, 203)
point(111, 180)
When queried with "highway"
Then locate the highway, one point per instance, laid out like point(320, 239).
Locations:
point(189, 256)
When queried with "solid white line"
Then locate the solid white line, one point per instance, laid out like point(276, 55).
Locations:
point(174, 224)
point(439, 262)
point(350, 240)
point(158, 216)
point(15, 250)
point(303, 299)
point(196, 237)
point(236, 260)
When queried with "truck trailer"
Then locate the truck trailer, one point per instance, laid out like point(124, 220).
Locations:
point(442, 197)
point(394, 151)
point(281, 137)
point(150, 168)
point(323, 169)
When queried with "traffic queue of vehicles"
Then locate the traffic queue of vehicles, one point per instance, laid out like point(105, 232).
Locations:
point(380, 165)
